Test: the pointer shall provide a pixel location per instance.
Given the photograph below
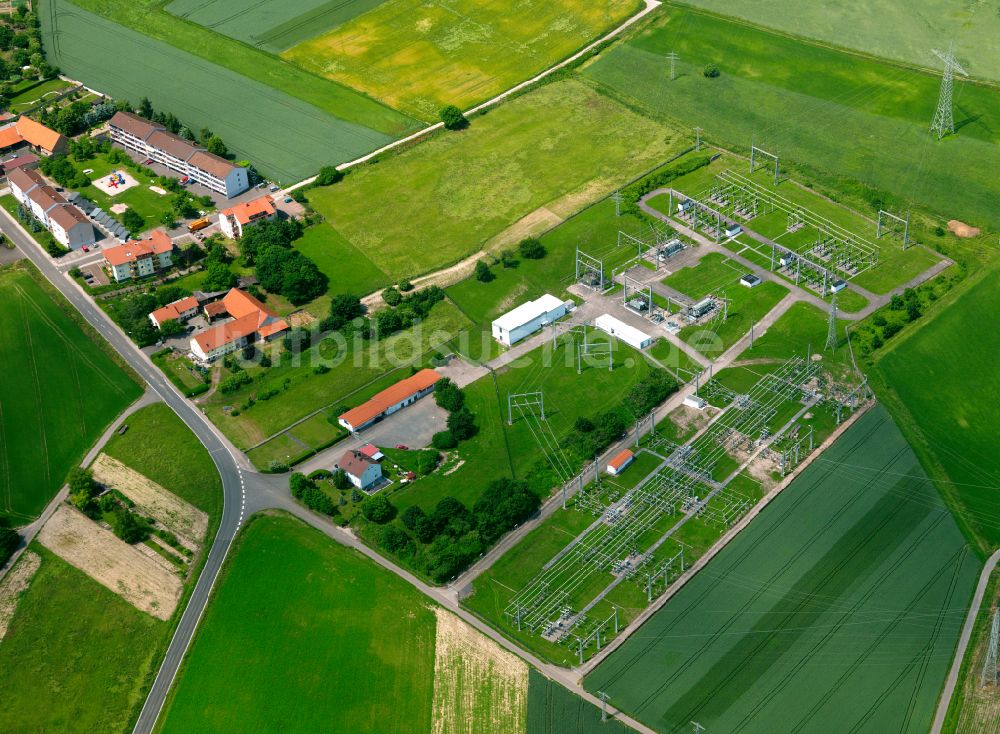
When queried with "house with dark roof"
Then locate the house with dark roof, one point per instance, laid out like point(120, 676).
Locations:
point(363, 471)
point(156, 143)
point(68, 225)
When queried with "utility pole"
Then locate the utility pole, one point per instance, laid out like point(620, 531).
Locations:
point(604, 705)
point(944, 116)
point(697, 139)
point(989, 674)
point(696, 727)
point(673, 64)
point(831, 329)
point(617, 198)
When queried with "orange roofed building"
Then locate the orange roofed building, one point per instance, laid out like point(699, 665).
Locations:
point(35, 134)
point(180, 310)
point(403, 393)
point(139, 258)
point(619, 462)
point(252, 322)
point(233, 220)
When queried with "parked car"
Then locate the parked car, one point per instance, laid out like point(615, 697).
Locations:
point(402, 447)
point(273, 188)
point(288, 200)
point(147, 162)
point(85, 248)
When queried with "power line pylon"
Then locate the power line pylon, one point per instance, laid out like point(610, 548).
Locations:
point(990, 671)
point(673, 64)
point(944, 115)
point(831, 329)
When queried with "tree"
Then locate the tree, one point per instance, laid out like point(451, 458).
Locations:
point(344, 308)
point(395, 540)
point(531, 248)
point(503, 505)
point(392, 297)
point(145, 108)
point(341, 480)
point(298, 483)
point(133, 221)
point(483, 272)
point(219, 277)
point(413, 516)
point(172, 327)
point(378, 509)
point(215, 146)
point(448, 395)
point(462, 424)
point(329, 175)
point(444, 440)
point(405, 286)
point(453, 118)
point(168, 220)
point(9, 540)
point(507, 259)
point(128, 526)
point(711, 71)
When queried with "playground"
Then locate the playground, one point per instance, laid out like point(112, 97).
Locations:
point(115, 182)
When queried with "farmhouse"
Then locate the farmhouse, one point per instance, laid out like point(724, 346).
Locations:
point(180, 310)
point(69, 226)
point(403, 393)
point(153, 141)
point(617, 464)
point(139, 258)
point(28, 132)
point(363, 471)
point(619, 329)
point(527, 318)
point(251, 322)
point(233, 220)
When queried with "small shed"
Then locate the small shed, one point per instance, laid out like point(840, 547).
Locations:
point(837, 286)
point(750, 280)
point(733, 229)
point(696, 402)
point(618, 464)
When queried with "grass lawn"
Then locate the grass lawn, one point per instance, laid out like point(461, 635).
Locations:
point(941, 384)
point(356, 371)
point(889, 28)
point(664, 352)
point(287, 122)
point(419, 56)
point(272, 26)
point(35, 95)
point(362, 642)
point(820, 97)
point(712, 273)
point(76, 657)
point(58, 393)
point(801, 329)
point(348, 268)
point(159, 445)
point(533, 161)
point(839, 567)
point(180, 372)
point(746, 307)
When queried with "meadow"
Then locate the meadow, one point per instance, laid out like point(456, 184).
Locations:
point(532, 162)
point(362, 642)
point(272, 26)
point(160, 446)
point(903, 31)
point(799, 331)
point(856, 569)
point(59, 392)
point(940, 383)
point(76, 657)
point(418, 56)
point(805, 101)
point(257, 114)
point(349, 269)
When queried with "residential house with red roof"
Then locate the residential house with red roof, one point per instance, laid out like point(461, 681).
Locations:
point(26, 131)
point(363, 471)
point(251, 322)
point(232, 221)
point(180, 310)
point(140, 258)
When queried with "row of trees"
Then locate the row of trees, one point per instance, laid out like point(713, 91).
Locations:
point(461, 424)
point(308, 492)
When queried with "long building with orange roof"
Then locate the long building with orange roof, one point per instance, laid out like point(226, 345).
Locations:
point(35, 134)
point(398, 396)
point(251, 322)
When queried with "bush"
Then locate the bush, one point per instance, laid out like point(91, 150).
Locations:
point(395, 540)
point(483, 272)
point(128, 526)
point(133, 221)
point(299, 483)
point(462, 424)
point(453, 118)
point(392, 297)
point(341, 480)
point(711, 71)
point(318, 500)
point(531, 248)
point(448, 395)
point(378, 509)
point(444, 440)
point(9, 540)
point(329, 175)
point(504, 504)
point(405, 286)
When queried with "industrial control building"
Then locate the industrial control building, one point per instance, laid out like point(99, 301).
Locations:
point(527, 318)
point(620, 330)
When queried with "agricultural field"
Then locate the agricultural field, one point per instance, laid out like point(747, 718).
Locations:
point(76, 656)
point(417, 56)
point(160, 446)
point(519, 170)
point(855, 569)
point(271, 26)
point(947, 408)
point(249, 106)
point(59, 392)
point(554, 710)
point(804, 100)
point(901, 31)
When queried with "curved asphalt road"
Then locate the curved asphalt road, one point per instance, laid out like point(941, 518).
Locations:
point(230, 467)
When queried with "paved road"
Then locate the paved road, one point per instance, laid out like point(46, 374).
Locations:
point(963, 643)
point(229, 463)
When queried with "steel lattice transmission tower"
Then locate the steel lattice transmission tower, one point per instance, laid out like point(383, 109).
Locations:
point(831, 330)
point(944, 115)
point(989, 674)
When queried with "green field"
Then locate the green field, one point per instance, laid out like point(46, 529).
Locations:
point(261, 112)
point(159, 445)
point(948, 405)
point(273, 26)
point(801, 330)
point(58, 393)
point(540, 157)
point(418, 55)
point(348, 268)
point(76, 656)
point(805, 100)
point(554, 710)
point(349, 643)
point(903, 31)
point(841, 602)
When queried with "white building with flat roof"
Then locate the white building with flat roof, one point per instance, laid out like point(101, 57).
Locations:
point(527, 318)
point(620, 330)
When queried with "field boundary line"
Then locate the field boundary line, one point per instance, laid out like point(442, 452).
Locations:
point(944, 703)
point(721, 543)
point(651, 5)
